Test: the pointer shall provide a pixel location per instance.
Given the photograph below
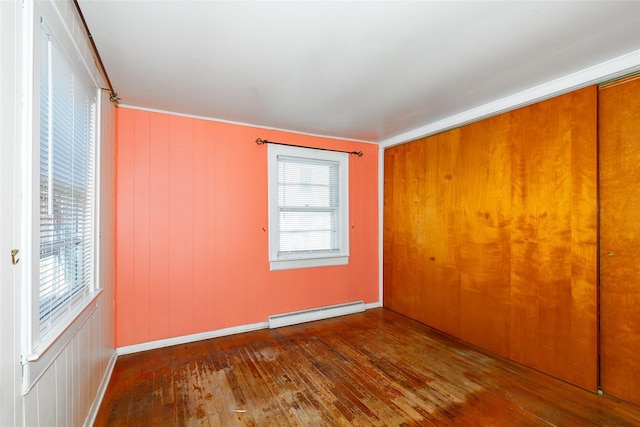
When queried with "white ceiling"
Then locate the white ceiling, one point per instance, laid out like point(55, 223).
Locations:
point(361, 70)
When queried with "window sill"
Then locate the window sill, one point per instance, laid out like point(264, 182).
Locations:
point(292, 264)
point(37, 362)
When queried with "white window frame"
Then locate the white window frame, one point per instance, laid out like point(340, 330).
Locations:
point(39, 353)
point(321, 259)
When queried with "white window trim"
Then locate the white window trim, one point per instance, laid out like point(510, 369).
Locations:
point(38, 357)
point(307, 261)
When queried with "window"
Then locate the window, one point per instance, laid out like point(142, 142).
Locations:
point(308, 207)
point(63, 282)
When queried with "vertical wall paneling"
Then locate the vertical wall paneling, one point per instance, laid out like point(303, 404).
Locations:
point(141, 236)
point(554, 256)
point(619, 113)
point(159, 251)
point(181, 206)
point(125, 240)
point(68, 391)
point(485, 252)
point(244, 173)
point(442, 189)
point(218, 196)
point(490, 234)
point(199, 223)
point(396, 268)
point(192, 203)
point(421, 235)
point(361, 187)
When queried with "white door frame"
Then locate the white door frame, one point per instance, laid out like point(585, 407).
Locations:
point(11, 137)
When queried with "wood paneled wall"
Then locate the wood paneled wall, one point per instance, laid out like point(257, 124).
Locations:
point(192, 219)
point(619, 141)
point(490, 234)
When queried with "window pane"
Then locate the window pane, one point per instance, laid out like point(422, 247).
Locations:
point(307, 231)
point(304, 195)
point(304, 182)
point(306, 221)
point(308, 203)
point(67, 147)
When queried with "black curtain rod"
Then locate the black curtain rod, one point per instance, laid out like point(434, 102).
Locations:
point(261, 141)
point(113, 96)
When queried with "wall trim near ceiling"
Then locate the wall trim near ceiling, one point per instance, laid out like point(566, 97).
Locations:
point(599, 73)
point(231, 122)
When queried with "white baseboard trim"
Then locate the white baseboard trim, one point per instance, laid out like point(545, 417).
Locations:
point(102, 389)
point(327, 312)
point(295, 317)
point(152, 345)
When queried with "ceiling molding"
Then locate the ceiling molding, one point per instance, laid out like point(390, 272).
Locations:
point(600, 73)
point(231, 122)
point(375, 72)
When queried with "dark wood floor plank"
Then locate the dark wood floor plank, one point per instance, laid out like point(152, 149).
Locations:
point(304, 376)
point(218, 387)
point(306, 379)
point(291, 404)
point(375, 368)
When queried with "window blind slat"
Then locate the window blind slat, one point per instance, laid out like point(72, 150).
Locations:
point(308, 203)
point(67, 150)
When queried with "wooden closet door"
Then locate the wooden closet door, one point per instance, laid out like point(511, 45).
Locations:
point(619, 133)
point(490, 234)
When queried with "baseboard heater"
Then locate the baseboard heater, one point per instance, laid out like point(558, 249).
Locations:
point(295, 317)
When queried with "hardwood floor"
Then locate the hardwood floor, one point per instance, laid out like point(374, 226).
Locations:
point(376, 368)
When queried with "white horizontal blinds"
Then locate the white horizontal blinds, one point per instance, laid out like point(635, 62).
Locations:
point(308, 206)
point(67, 164)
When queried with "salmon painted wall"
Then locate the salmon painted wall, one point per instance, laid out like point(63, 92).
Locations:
point(192, 245)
